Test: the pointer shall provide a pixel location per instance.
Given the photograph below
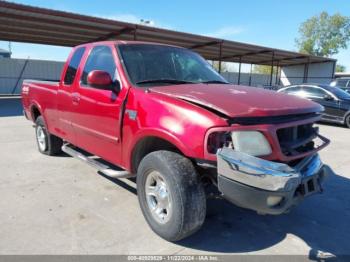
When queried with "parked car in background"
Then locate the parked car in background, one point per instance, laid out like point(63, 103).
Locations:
point(335, 100)
point(271, 87)
point(342, 82)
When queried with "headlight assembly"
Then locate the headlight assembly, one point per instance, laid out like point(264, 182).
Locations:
point(251, 142)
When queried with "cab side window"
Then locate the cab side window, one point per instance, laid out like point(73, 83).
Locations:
point(100, 58)
point(342, 82)
point(314, 92)
point(293, 89)
point(73, 66)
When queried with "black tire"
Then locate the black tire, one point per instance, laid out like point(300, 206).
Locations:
point(53, 144)
point(188, 201)
point(347, 121)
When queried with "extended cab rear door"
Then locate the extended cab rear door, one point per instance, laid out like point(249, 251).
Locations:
point(65, 96)
point(97, 113)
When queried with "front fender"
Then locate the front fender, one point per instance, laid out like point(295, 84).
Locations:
point(158, 133)
point(182, 124)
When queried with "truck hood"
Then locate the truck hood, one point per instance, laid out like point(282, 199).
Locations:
point(239, 101)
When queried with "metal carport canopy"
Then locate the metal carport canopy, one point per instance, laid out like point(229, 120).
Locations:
point(23, 23)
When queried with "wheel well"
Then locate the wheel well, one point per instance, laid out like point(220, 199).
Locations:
point(148, 145)
point(347, 114)
point(35, 113)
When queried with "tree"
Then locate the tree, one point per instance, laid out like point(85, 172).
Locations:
point(263, 69)
point(215, 64)
point(340, 68)
point(324, 35)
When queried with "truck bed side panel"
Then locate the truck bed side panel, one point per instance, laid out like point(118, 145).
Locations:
point(43, 96)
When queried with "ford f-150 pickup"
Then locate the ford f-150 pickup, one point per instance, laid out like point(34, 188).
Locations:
point(162, 114)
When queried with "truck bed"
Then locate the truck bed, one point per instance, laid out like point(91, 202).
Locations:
point(42, 82)
point(42, 94)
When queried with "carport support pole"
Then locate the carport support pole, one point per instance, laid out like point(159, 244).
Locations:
point(220, 55)
point(272, 60)
point(135, 33)
point(306, 70)
point(333, 70)
point(250, 74)
point(277, 72)
point(239, 71)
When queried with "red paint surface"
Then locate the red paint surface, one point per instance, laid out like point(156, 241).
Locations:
point(92, 119)
point(240, 101)
point(98, 77)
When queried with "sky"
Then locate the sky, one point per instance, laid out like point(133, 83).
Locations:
point(269, 23)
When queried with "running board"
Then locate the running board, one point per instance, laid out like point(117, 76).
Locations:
point(104, 168)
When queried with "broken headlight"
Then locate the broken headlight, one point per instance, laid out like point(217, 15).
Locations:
point(252, 143)
point(218, 140)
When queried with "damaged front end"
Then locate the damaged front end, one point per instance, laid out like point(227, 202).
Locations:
point(265, 186)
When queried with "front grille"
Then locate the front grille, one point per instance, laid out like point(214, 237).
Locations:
point(271, 119)
point(297, 139)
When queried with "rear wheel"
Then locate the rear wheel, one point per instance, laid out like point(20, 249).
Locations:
point(48, 144)
point(171, 197)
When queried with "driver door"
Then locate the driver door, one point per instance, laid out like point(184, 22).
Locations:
point(97, 115)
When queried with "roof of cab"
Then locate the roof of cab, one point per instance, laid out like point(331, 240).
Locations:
point(122, 42)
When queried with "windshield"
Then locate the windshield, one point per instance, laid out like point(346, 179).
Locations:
point(340, 93)
point(342, 82)
point(148, 64)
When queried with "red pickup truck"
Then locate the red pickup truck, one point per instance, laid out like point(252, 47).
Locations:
point(162, 114)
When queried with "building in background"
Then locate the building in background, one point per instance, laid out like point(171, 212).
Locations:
point(13, 71)
point(342, 74)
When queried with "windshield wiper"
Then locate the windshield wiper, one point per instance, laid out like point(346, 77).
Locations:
point(166, 81)
point(214, 82)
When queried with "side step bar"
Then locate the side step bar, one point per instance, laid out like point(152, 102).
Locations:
point(105, 168)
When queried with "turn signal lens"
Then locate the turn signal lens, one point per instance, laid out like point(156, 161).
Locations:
point(273, 200)
point(216, 140)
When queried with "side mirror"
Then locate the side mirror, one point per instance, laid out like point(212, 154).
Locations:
point(116, 87)
point(328, 97)
point(99, 78)
point(102, 80)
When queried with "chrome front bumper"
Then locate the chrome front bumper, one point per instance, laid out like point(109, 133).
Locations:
point(258, 184)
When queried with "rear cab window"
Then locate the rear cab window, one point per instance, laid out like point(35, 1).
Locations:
point(74, 62)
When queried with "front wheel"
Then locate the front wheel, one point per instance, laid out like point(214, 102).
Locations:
point(347, 121)
point(171, 197)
